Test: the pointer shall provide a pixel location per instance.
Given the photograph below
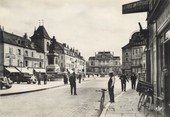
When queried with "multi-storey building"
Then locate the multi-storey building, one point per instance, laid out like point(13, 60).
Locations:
point(29, 54)
point(126, 59)
point(103, 62)
point(133, 55)
point(19, 53)
point(157, 49)
point(69, 58)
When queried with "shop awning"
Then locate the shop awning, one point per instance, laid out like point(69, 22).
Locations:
point(24, 70)
point(40, 70)
point(12, 69)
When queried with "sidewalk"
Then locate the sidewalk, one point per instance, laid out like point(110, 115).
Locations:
point(125, 106)
point(26, 88)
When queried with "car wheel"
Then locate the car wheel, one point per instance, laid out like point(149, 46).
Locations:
point(18, 82)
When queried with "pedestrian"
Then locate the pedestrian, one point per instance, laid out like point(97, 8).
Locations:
point(72, 80)
point(45, 79)
point(65, 78)
point(39, 78)
point(123, 79)
point(79, 77)
point(133, 80)
point(111, 83)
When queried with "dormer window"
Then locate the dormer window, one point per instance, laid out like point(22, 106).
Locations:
point(48, 46)
point(19, 41)
point(26, 44)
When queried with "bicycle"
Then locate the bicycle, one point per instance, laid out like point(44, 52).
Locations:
point(102, 99)
point(146, 100)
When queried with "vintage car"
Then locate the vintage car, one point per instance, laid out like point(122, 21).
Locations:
point(20, 77)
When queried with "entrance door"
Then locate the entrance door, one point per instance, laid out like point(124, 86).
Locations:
point(167, 77)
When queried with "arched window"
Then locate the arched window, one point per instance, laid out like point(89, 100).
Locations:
point(26, 53)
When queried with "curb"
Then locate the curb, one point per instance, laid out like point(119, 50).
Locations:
point(34, 90)
point(103, 114)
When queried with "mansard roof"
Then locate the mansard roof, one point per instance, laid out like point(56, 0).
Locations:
point(126, 46)
point(40, 33)
point(16, 40)
point(104, 55)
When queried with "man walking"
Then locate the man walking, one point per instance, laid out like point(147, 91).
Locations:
point(133, 80)
point(79, 77)
point(123, 79)
point(72, 80)
point(45, 79)
point(39, 78)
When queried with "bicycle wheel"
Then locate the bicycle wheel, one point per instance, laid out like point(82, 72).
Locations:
point(140, 103)
point(147, 105)
point(101, 105)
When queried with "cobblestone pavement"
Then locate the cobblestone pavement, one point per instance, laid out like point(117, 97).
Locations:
point(56, 102)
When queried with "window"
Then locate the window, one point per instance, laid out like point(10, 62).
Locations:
point(136, 51)
point(32, 54)
point(126, 59)
point(18, 62)
point(115, 62)
point(40, 65)
point(26, 63)
point(26, 53)
point(126, 53)
point(19, 41)
point(62, 65)
point(61, 57)
point(19, 52)
point(10, 50)
point(48, 45)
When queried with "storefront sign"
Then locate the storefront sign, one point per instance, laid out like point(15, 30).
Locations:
point(135, 7)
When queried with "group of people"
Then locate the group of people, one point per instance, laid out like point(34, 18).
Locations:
point(39, 76)
point(124, 79)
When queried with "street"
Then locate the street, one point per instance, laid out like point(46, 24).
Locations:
point(58, 102)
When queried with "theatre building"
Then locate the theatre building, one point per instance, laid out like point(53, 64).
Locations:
point(158, 49)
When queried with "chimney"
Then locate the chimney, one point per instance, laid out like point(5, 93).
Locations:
point(64, 44)
point(25, 36)
point(113, 53)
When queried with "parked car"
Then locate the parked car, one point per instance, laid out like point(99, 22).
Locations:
point(20, 77)
point(5, 82)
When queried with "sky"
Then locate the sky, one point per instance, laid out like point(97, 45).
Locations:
point(87, 25)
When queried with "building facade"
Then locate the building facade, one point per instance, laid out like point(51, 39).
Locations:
point(103, 62)
point(69, 58)
point(157, 49)
point(28, 54)
point(159, 45)
point(133, 56)
point(126, 59)
point(19, 53)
